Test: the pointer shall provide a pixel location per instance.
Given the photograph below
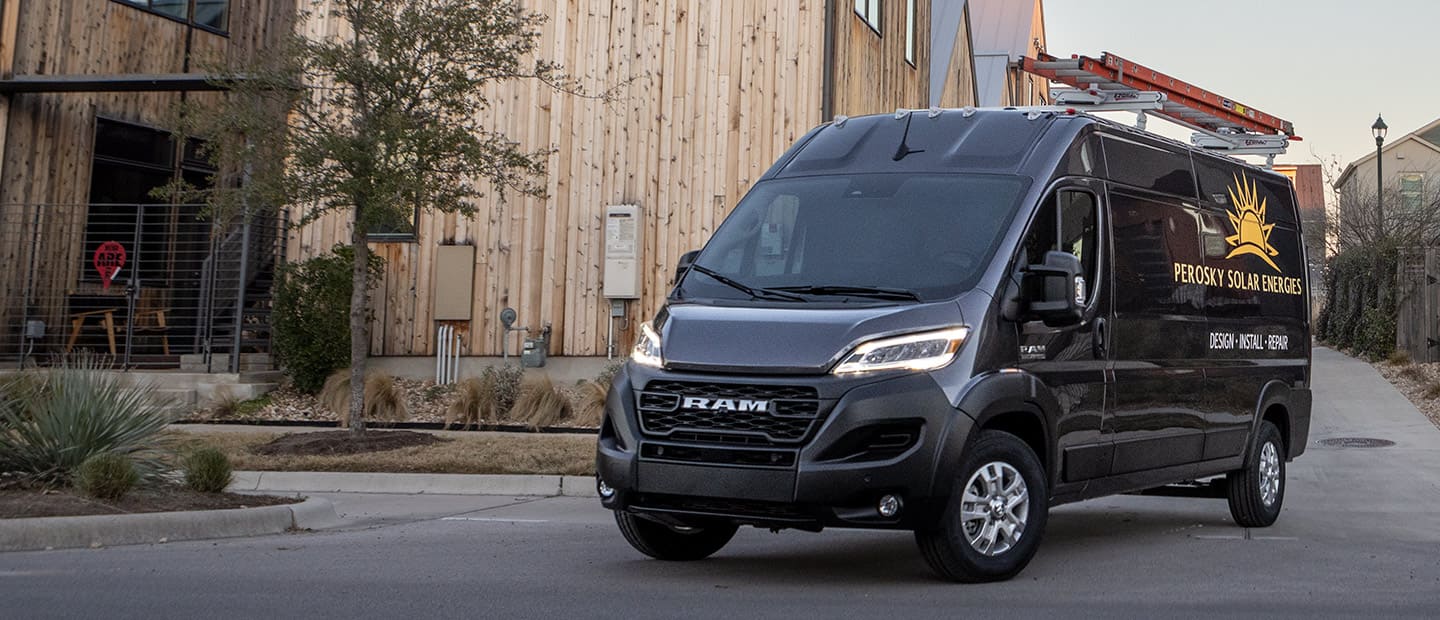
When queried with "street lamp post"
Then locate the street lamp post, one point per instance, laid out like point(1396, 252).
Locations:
point(1378, 130)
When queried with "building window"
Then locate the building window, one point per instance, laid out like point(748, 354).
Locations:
point(1412, 190)
point(869, 10)
point(208, 14)
point(392, 227)
point(910, 32)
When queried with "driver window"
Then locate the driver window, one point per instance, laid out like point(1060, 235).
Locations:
point(1068, 222)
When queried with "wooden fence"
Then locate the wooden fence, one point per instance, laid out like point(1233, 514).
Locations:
point(1417, 321)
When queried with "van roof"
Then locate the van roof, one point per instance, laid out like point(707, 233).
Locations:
point(980, 140)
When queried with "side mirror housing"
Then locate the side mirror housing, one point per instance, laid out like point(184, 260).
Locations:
point(684, 265)
point(1055, 291)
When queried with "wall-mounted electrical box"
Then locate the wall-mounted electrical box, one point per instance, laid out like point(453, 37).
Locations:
point(623, 245)
point(454, 282)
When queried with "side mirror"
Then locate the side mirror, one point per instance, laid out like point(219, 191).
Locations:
point(1055, 291)
point(684, 265)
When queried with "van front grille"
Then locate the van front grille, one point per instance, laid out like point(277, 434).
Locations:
point(724, 413)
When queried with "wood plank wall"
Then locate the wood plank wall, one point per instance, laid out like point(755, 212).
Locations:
point(720, 89)
point(872, 76)
point(46, 155)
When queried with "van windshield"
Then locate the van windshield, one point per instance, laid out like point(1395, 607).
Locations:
point(877, 238)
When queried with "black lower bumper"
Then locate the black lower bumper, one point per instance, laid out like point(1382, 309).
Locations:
point(881, 436)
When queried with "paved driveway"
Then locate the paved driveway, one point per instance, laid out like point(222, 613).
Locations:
point(1360, 536)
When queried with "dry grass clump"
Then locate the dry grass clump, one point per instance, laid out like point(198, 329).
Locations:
point(1414, 373)
point(384, 400)
point(1398, 358)
point(541, 404)
point(475, 401)
point(590, 403)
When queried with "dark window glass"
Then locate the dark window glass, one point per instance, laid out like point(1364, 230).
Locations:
point(1149, 167)
point(1222, 183)
point(212, 14)
point(396, 226)
point(1067, 222)
point(931, 234)
point(1150, 237)
point(133, 143)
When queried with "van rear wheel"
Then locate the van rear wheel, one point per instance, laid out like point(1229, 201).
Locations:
point(1257, 491)
point(992, 524)
point(678, 543)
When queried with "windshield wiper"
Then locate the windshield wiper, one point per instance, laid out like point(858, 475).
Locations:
point(753, 291)
point(873, 292)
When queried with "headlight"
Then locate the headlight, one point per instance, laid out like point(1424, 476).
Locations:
point(647, 348)
point(924, 351)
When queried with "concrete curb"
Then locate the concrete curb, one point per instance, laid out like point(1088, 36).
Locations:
point(437, 484)
point(160, 527)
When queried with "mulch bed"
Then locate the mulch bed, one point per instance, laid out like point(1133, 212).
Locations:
point(341, 442)
point(22, 503)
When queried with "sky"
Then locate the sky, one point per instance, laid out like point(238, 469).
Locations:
point(1325, 65)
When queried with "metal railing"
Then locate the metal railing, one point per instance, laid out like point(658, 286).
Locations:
point(149, 285)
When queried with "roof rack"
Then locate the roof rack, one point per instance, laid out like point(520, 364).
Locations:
point(1115, 84)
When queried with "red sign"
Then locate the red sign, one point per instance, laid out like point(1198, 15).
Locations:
point(109, 258)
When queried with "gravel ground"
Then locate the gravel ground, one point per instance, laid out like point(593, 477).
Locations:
point(1418, 382)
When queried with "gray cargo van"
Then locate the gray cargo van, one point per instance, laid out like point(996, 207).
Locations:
point(949, 322)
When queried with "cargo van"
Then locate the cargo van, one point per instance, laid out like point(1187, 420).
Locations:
point(950, 322)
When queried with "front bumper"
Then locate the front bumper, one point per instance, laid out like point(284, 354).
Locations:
point(874, 436)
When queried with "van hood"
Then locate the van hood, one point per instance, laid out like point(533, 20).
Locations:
point(784, 340)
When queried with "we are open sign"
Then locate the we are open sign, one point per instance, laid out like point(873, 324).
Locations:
point(109, 258)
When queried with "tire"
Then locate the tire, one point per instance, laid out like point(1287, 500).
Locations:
point(1257, 492)
point(948, 547)
point(663, 542)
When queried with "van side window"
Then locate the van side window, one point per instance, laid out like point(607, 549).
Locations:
point(1067, 222)
point(1150, 238)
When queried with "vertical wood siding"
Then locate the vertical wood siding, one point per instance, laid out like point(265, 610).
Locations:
point(720, 89)
point(46, 150)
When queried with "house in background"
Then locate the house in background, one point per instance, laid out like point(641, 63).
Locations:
point(1004, 31)
point(91, 261)
point(1411, 165)
point(720, 90)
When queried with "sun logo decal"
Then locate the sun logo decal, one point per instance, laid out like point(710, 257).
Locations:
point(1252, 234)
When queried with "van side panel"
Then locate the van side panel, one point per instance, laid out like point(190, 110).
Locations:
point(1253, 275)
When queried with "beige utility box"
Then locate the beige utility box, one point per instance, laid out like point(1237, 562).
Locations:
point(623, 243)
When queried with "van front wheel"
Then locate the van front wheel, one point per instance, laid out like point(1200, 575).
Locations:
point(1256, 492)
point(664, 542)
point(992, 523)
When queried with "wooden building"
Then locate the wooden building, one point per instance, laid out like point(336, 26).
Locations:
point(720, 89)
point(87, 89)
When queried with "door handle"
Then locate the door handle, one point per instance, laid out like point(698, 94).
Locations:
point(1099, 338)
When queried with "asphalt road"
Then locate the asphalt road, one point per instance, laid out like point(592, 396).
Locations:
point(1360, 536)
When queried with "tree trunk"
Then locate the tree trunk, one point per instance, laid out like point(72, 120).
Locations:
point(359, 326)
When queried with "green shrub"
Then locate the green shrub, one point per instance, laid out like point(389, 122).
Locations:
point(312, 317)
point(106, 476)
point(208, 470)
point(507, 380)
point(1361, 305)
point(81, 413)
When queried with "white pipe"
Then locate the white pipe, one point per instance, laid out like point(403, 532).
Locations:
point(454, 355)
point(439, 354)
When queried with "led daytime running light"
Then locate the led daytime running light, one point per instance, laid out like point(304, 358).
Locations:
point(923, 351)
point(647, 348)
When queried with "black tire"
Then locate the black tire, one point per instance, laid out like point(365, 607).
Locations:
point(947, 548)
point(662, 542)
point(1248, 505)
